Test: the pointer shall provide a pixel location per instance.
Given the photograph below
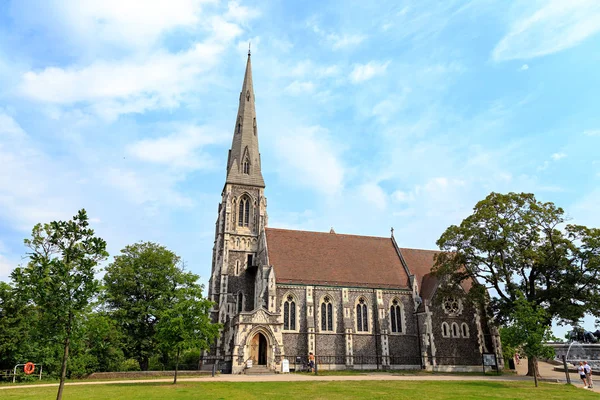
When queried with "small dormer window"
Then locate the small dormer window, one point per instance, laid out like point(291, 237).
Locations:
point(254, 126)
point(247, 95)
point(246, 167)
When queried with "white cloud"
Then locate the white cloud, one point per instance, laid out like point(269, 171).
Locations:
point(120, 87)
point(308, 156)
point(298, 87)
point(345, 41)
point(238, 13)
point(9, 127)
point(558, 156)
point(147, 190)
point(124, 23)
point(180, 149)
point(364, 72)
point(592, 132)
point(146, 79)
point(388, 108)
point(403, 197)
point(524, 67)
point(374, 194)
point(336, 40)
point(557, 26)
point(29, 182)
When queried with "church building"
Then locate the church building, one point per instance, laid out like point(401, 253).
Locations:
point(352, 301)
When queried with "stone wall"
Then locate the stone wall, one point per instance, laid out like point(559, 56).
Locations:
point(452, 348)
point(403, 346)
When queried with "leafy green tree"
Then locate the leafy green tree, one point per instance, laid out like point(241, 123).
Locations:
point(16, 320)
point(516, 245)
point(140, 286)
point(526, 329)
point(59, 277)
point(186, 324)
point(103, 341)
point(95, 347)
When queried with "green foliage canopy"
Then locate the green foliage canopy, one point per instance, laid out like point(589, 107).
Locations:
point(517, 245)
point(59, 277)
point(141, 285)
point(186, 324)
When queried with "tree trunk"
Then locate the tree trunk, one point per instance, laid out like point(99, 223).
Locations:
point(532, 365)
point(176, 367)
point(144, 363)
point(63, 369)
point(532, 369)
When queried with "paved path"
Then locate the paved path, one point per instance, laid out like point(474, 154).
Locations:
point(547, 371)
point(292, 377)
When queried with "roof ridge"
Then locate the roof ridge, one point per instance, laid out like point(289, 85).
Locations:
point(328, 233)
point(412, 248)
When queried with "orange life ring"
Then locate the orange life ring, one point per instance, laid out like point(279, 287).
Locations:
point(29, 368)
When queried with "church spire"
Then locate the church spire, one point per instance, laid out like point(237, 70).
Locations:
point(243, 164)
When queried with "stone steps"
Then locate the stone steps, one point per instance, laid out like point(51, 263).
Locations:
point(258, 370)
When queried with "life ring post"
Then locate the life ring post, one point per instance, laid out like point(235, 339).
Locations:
point(29, 368)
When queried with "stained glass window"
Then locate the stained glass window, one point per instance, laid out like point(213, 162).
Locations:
point(326, 314)
point(244, 211)
point(396, 316)
point(289, 314)
point(362, 324)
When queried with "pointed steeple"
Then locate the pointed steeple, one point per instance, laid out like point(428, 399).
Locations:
point(243, 164)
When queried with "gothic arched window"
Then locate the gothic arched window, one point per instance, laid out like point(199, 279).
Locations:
point(289, 314)
point(465, 330)
point(396, 316)
point(244, 211)
point(362, 316)
point(326, 314)
point(445, 329)
point(455, 331)
point(246, 167)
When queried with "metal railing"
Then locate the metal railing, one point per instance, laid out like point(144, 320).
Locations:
point(300, 363)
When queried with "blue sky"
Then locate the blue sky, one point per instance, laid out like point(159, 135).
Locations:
point(400, 113)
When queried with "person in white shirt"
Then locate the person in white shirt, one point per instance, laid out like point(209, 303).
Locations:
point(582, 375)
point(588, 374)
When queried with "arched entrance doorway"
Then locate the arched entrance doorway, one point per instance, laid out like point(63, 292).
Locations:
point(258, 349)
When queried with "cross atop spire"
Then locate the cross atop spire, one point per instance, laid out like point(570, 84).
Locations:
point(243, 164)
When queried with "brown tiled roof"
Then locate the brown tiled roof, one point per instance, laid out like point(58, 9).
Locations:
point(420, 263)
point(318, 258)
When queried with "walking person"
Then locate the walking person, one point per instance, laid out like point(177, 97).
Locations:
point(588, 374)
point(582, 375)
point(311, 362)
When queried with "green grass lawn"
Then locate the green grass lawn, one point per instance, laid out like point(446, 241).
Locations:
point(409, 390)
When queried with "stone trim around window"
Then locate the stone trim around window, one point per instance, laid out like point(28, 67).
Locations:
point(293, 324)
point(452, 306)
point(401, 318)
point(464, 330)
point(333, 314)
point(363, 301)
